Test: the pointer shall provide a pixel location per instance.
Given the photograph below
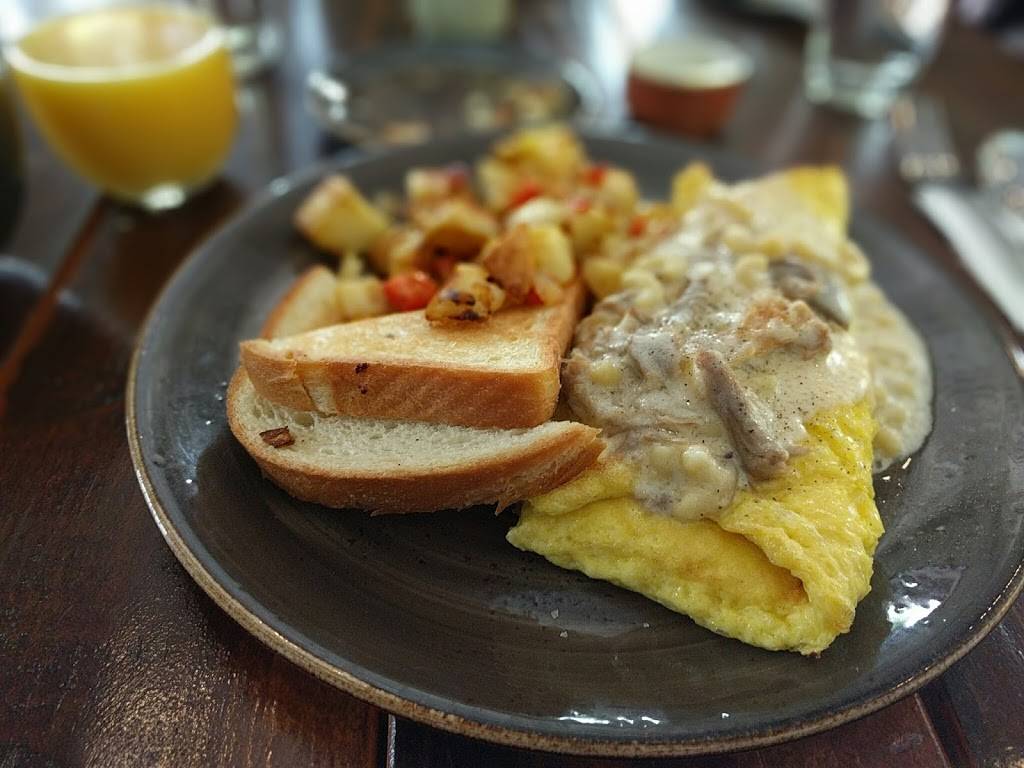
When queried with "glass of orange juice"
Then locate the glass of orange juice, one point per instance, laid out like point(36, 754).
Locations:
point(138, 99)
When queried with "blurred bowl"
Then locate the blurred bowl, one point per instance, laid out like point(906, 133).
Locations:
point(416, 93)
point(687, 86)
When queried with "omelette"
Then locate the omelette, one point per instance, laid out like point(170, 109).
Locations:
point(748, 377)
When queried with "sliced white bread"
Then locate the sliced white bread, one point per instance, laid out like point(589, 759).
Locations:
point(394, 466)
point(502, 373)
point(311, 302)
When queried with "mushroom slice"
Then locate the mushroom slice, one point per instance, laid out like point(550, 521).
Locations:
point(821, 289)
point(761, 455)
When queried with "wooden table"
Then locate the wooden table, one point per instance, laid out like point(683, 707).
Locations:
point(110, 655)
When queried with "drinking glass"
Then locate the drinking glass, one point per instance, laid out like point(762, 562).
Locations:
point(252, 34)
point(861, 53)
point(139, 99)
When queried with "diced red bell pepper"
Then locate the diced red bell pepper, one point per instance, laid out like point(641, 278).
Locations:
point(533, 298)
point(638, 225)
point(458, 177)
point(408, 291)
point(595, 174)
point(527, 191)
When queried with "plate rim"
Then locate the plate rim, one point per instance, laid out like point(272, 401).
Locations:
point(465, 726)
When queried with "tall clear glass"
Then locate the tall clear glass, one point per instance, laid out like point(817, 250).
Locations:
point(861, 53)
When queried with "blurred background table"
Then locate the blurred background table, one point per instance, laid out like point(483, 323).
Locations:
point(111, 655)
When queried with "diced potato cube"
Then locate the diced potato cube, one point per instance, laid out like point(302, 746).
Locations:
point(351, 266)
point(425, 185)
point(526, 254)
point(774, 245)
point(618, 190)
point(606, 373)
point(540, 210)
point(467, 296)
point(512, 261)
point(548, 158)
point(458, 227)
point(737, 238)
point(398, 250)
point(689, 184)
point(752, 270)
point(640, 278)
point(602, 275)
point(498, 183)
point(361, 297)
point(337, 218)
point(587, 229)
point(649, 293)
point(650, 299)
point(549, 291)
point(550, 151)
point(664, 459)
point(554, 253)
point(429, 186)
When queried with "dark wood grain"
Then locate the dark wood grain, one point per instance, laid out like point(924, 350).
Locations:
point(110, 655)
point(978, 705)
point(53, 206)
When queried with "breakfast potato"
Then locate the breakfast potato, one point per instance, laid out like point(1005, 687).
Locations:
point(551, 152)
point(337, 218)
point(554, 253)
point(361, 297)
point(457, 227)
point(602, 275)
point(531, 258)
point(512, 263)
point(588, 228)
point(430, 186)
point(539, 210)
point(617, 191)
point(528, 164)
point(398, 250)
point(467, 296)
point(689, 184)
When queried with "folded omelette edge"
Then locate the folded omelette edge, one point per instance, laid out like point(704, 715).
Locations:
point(783, 567)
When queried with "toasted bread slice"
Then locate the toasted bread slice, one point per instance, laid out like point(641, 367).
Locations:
point(311, 302)
point(395, 466)
point(503, 373)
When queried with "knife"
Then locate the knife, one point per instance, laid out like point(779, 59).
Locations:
point(963, 215)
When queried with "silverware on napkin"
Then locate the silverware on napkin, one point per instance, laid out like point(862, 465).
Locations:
point(967, 217)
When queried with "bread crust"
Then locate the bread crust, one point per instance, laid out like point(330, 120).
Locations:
point(367, 385)
point(311, 302)
point(550, 461)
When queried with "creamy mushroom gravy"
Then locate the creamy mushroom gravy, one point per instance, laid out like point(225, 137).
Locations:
point(703, 370)
point(900, 371)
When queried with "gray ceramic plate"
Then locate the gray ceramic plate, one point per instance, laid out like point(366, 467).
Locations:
point(437, 618)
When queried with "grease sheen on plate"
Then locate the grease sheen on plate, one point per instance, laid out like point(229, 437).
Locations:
point(436, 617)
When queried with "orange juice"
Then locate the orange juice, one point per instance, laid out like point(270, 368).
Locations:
point(139, 99)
